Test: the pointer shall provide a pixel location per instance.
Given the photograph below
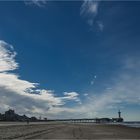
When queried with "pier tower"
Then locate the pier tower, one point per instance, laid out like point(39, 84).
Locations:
point(119, 114)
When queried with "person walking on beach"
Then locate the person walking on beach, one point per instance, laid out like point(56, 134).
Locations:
point(27, 121)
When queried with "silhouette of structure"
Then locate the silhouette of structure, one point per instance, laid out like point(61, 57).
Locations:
point(119, 119)
point(10, 115)
point(119, 113)
point(93, 120)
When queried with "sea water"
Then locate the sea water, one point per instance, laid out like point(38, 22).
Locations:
point(131, 124)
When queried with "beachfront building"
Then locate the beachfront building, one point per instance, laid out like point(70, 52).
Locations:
point(10, 115)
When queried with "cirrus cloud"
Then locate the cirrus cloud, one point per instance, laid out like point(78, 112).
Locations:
point(89, 10)
point(39, 3)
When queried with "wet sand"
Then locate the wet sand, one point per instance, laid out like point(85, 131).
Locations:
point(68, 131)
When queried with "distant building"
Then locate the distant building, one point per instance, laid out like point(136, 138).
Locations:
point(33, 119)
point(103, 120)
point(107, 120)
point(1, 117)
point(119, 119)
point(10, 115)
point(45, 119)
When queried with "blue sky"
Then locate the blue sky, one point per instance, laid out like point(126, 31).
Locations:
point(65, 59)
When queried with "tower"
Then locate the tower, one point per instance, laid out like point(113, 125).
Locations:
point(119, 113)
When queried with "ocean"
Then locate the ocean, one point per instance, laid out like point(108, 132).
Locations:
point(131, 124)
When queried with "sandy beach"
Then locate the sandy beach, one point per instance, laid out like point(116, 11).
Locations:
point(67, 131)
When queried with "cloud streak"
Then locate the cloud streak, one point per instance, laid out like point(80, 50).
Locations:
point(89, 10)
point(7, 55)
point(123, 92)
point(39, 3)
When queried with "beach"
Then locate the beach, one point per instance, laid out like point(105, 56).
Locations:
point(57, 130)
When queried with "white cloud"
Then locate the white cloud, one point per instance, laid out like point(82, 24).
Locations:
point(71, 95)
point(100, 25)
point(89, 10)
point(39, 3)
point(123, 92)
point(26, 97)
point(7, 55)
point(85, 94)
point(23, 95)
point(93, 80)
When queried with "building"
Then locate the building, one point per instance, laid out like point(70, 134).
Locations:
point(119, 119)
point(10, 115)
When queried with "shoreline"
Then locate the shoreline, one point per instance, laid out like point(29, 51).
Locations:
point(127, 124)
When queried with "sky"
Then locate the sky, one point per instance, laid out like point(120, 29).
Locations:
point(70, 59)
